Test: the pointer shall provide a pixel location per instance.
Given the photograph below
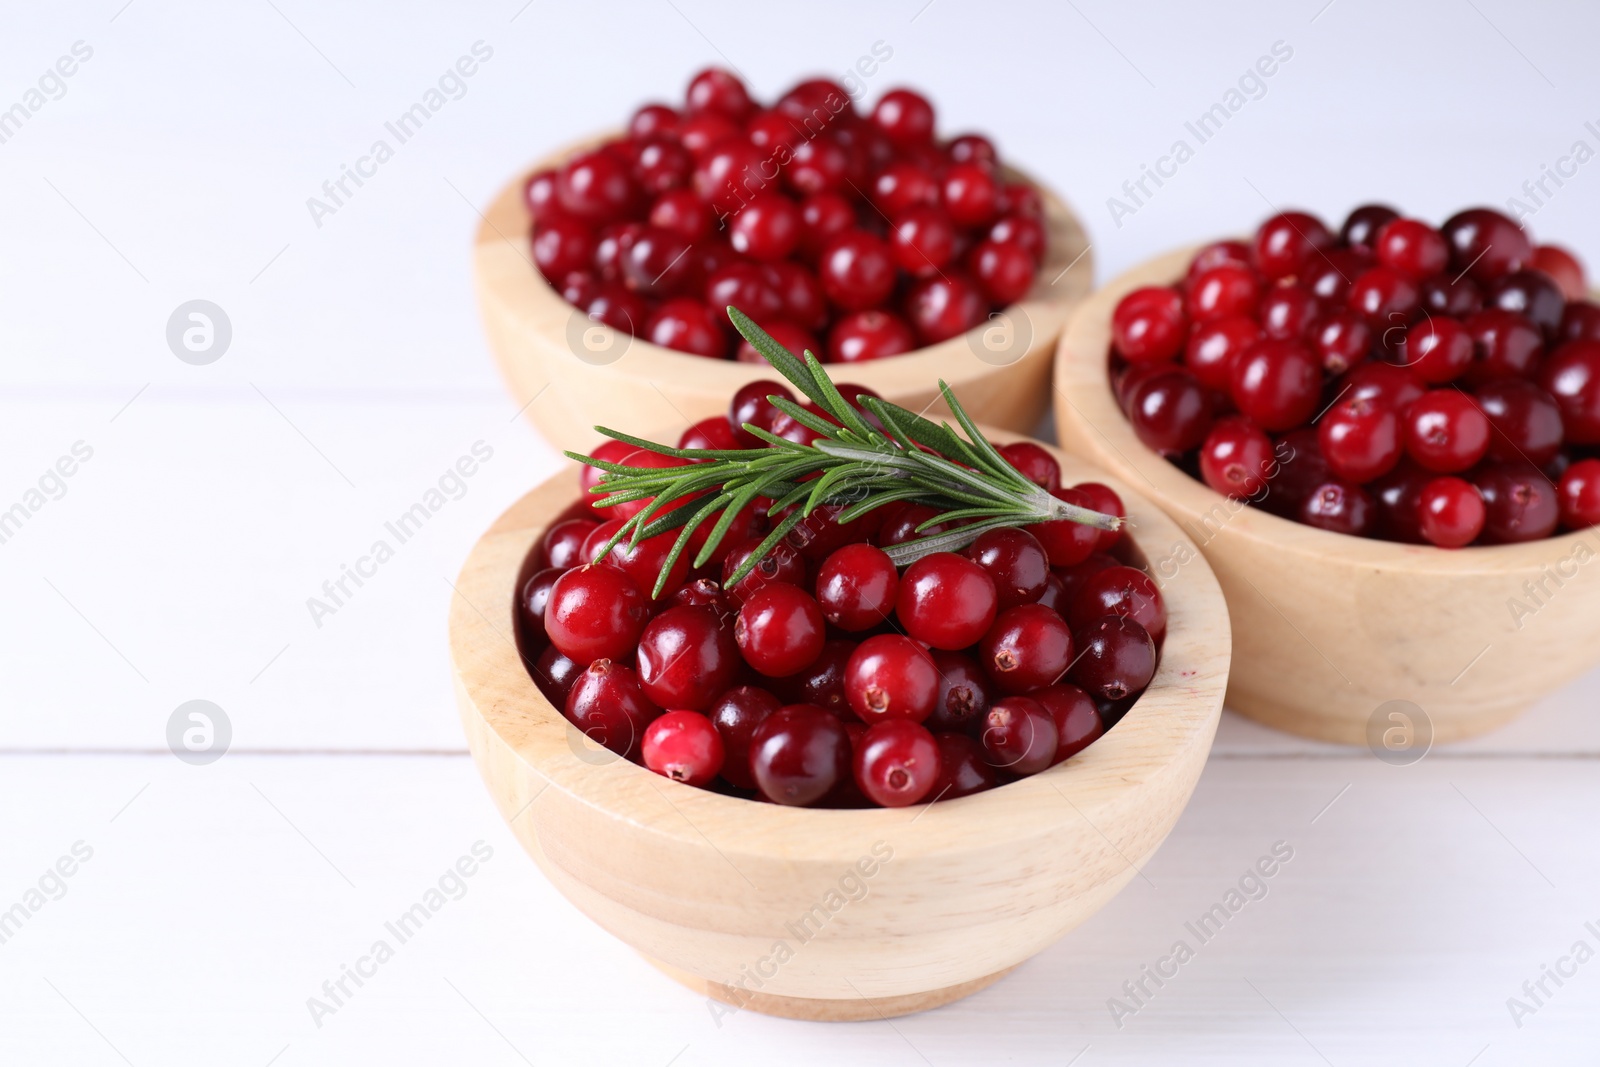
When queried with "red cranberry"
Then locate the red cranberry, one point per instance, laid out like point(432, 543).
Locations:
point(901, 186)
point(617, 308)
point(905, 117)
point(661, 165)
point(644, 458)
point(654, 120)
point(962, 769)
point(1519, 503)
point(867, 335)
point(1171, 411)
point(1149, 325)
point(1003, 271)
point(1435, 350)
point(1360, 229)
point(1214, 347)
point(1397, 496)
point(555, 676)
point(856, 270)
point(657, 263)
point(1015, 562)
point(1524, 421)
point(1532, 294)
point(1019, 736)
point(817, 102)
point(822, 683)
point(1395, 386)
point(1028, 646)
point(561, 246)
point(1066, 542)
point(1580, 321)
point(744, 285)
point(891, 677)
point(1572, 377)
point(946, 600)
point(713, 433)
point(799, 293)
point(562, 543)
point(1450, 512)
point(1485, 244)
point(719, 91)
point(1119, 590)
point(1104, 499)
point(683, 746)
point(1340, 507)
point(1287, 241)
point(1413, 248)
point(1217, 254)
point(1227, 290)
point(595, 613)
point(1328, 276)
point(642, 562)
point(687, 326)
point(1387, 299)
point(824, 216)
point(1287, 312)
point(736, 714)
point(792, 338)
point(1456, 297)
point(1342, 339)
point(1579, 495)
point(1445, 431)
point(779, 629)
point(798, 754)
point(1117, 658)
point(944, 307)
point(901, 526)
point(1563, 268)
point(819, 165)
point(595, 187)
point(730, 173)
point(1022, 231)
point(614, 242)
point(539, 195)
point(607, 705)
point(1360, 438)
point(1277, 384)
point(970, 194)
point(700, 133)
point(1033, 463)
point(1073, 711)
point(766, 228)
point(1301, 471)
point(1236, 458)
point(856, 587)
point(535, 595)
point(703, 593)
point(686, 658)
point(965, 692)
point(750, 404)
point(896, 763)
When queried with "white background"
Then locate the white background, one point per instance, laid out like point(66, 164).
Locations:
point(177, 565)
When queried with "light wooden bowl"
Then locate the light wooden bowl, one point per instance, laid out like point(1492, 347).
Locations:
point(1330, 628)
point(950, 895)
point(570, 374)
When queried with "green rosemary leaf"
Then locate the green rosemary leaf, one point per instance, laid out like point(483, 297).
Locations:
point(781, 359)
point(810, 420)
point(1009, 514)
point(915, 428)
point(679, 545)
point(996, 463)
point(836, 403)
point(878, 500)
point(768, 543)
point(741, 500)
point(949, 541)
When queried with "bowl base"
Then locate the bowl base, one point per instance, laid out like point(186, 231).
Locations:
point(816, 1009)
point(1342, 727)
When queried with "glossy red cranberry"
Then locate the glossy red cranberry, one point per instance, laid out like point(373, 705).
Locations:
point(856, 270)
point(923, 240)
point(1519, 503)
point(1387, 299)
point(1104, 499)
point(1580, 321)
point(1328, 276)
point(962, 768)
point(902, 186)
point(891, 677)
point(965, 693)
point(1171, 411)
point(817, 101)
point(686, 658)
point(1149, 325)
point(657, 263)
point(824, 216)
point(539, 195)
point(1445, 431)
point(1120, 590)
point(687, 326)
point(746, 286)
point(531, 604)
point(1016, 563)
point(1218, 253)
point(1287, 312)
point(1397, 497)
point(608, 451)
point(719, 91)
point(798, 754)
point(596, 187)
point(1033, 463)
point(703, 593)
point(700, 133)
point(1222, 292)
point(1524, 422)
point(901, 526)
point(1578, 495)
point(1457, 297)
point(904, 116)
point(683, 746)
point(1411, 247)
point(562, 246)
point(943, 307)
point(595, 613)
point(731, 173)
point(1450, 512)
point(713, 433)
point(1360, 438)
point(736, 714)
point(971, 194)
point(614, 242)
point(856, 587)
point(1287, 241)
point(1571, 375)
point(1301, 470)
point(1078, 723)
point(819, 165)
point(642, 562)
point(1342, 339)
point(1214, 347)
point(820, 533)
point(867, 335)
point(1485, 244)
point(1395, 386)
point(578, 287)
point(1435, 350)
point(608, 706)
point(1028, 646)
point(822, 683)
point(562, 544)
point(896, 763)
point(1023, 231)
point(617, 308)
point(1004, 272)
point(1563, 268)
point(1340, 507)
point(640, 457)
point(1360, 229)
point(767, 228)
point(1067, 543)
point(1236, 458)
point(799, 292)
point(1019, 736)
point(750, 404)
point(1532, 294)
point(555, 676)
point(1277, 384)
point(662, 164)
point(780, 629)
point(654, 120)
point(946, 600)
point(793, 338)
point(1116, 658)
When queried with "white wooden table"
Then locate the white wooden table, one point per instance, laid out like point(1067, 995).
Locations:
point(207, 904)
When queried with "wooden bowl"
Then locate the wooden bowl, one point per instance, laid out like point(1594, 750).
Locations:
point(1329, 628)
point(570, 374)
point(833, 914)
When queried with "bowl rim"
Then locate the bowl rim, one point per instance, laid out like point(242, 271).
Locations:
point(1069, 261)
point(1178, 711)
point(1084, 388)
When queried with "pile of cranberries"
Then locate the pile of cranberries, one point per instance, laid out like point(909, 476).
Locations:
point(1393, 380)
point(854, 237)
point(827, 676)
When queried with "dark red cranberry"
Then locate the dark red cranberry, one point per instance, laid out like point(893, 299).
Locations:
point(822, 683)
point(614, 242)
point(719, 91)
point(562, 246)
point(555, 675)
point(1221, 292)
point(657, 263)
point(1578, 495)
point(1387, 299)
point(904, 116)
point(1033, 463)
point(1580, 321)
point(746, 286)
point(1340, 507)
point(1277, 384)
point(943, 307)
point(1149, 325)
point(617, 307)
point(750, 404)
point(798, 754)
point(531, 602)
point(1077, 719)
point(1360, 438)
point(1287, 312)
point(1572, 377)
point(800, 293)
point(890, 676)
point(654, 120)
point(608, 706)
point(686, 658)
point(856, 270)
point(1218, 253)
point(703, 593)
point(1028, 646)
point(962, 768)
point(946, 600)
point(700, 133)
point(595, 613)
point(736, 714)
point(1104, 499)
point(1525, 423)
point(824, 216)
point(1116, 658)
point(1395, 386)
point(1236, 458)
point(687, 326)
point(896, 763)
point(965, 693)
point(1171, 411)
point(857, 586)
point(1445, 431)
point(1287, 241)
point(901, 526)
point(1450, 512)
point(1519, 503)
point(1214, 347)
point(539, 195)
point(1015, 561)
point(662, 164)
point(794, 339)
point(1563, 268)
point(1120, 590)
point(1397, 498)
point(819, 165)
point(902, 186)
point(1301, 470)
point(562, 543)
point(779, 629)
point(683, 746)
point(1485, 244)
point(1003, 271)
point(971, 194)
point(595, 187)
point(1329, 275)
point(1411, 247)
point(1435, 350)
point(1342, 339)
point(1019, 736)
point(1067, 542)
point(1360, 229)
point(867, 335)
point(713, 433)
point(767, 228)
point(1532, 294)
point(1027, 233)
point(1445, 295)
point(923, 240)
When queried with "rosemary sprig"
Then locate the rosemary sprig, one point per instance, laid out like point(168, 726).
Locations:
point(857, 462)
